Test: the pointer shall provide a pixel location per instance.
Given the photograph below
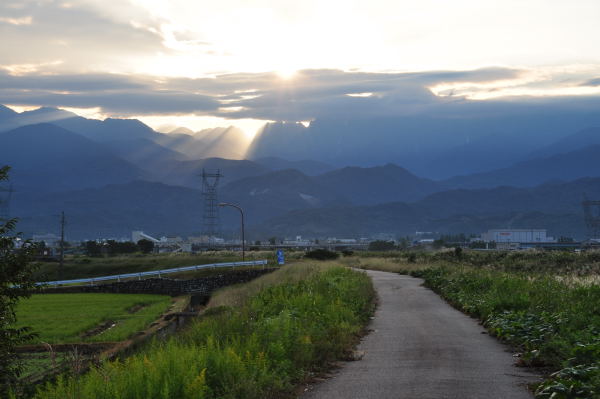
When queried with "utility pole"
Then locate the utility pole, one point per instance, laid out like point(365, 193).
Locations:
point(62, 245)
point(243, 238)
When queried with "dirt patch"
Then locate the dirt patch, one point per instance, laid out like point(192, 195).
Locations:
point(137, 308)
point(99, 329)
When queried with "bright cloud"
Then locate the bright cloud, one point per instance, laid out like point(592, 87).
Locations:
point(17, 21)
point(260, 60)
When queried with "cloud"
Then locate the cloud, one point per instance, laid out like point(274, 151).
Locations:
point(17, 21)
point(75, 33)
point(592, 82)
point(311, 94)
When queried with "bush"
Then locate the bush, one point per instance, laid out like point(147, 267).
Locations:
point(321, 254)
point(382, 246)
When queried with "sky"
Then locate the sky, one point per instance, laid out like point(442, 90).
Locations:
point(201, 63)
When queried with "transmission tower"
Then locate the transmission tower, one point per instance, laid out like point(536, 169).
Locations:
point(210, 217)
point(5, 196)
point(591, 213)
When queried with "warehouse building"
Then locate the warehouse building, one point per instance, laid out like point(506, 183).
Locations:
point(512, 238)
point(516, 236)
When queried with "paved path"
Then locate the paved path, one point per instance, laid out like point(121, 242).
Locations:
point(420, 347)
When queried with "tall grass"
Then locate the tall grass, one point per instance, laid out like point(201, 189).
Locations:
point(584, 266)
point(237, 295)
point(403, 265)
point(288, 323)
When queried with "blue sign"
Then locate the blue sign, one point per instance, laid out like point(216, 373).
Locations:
point(280, 258)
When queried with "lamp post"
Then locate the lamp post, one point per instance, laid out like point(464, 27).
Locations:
point(243, 239)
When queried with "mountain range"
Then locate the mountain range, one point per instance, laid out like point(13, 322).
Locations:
point(117, 175)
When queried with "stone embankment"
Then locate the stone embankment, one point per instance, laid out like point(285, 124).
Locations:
point(200, 286)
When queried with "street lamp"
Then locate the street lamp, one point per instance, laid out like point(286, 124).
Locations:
point(242, 214)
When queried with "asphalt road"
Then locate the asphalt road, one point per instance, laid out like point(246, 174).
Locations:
point(421, 347)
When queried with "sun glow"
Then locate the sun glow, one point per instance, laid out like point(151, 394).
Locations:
point(287, 73)
point(249, 126)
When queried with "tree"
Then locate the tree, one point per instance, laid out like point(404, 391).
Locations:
point(92, 248)
point(146, 246)
point(381, 245)
point(16, 282)
point(321, 254)
point(117, 248)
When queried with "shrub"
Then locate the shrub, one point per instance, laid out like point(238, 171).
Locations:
point(321, 254)
point(381, 245)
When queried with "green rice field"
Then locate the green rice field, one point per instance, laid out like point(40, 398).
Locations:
point(67, 318)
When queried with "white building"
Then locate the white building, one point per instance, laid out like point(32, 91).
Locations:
point(51, 240)
point(140, 235)
point(508, 236)
point(299, 241)
point(333, 240)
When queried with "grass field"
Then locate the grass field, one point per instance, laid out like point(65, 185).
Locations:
point(65, 318)
point(283, 325)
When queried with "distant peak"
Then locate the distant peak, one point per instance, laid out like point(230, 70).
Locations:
point(181, 130)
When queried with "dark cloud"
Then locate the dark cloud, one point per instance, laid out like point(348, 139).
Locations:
point(115, 94)
point(77, 83)
point(311, 94)
point(592, 82)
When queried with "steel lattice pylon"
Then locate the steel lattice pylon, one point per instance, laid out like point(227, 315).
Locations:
point(210, 217)
point(591, 212)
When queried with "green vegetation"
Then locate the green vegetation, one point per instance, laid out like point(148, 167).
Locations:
point(552, 322)
point(381, 245)
point(16, 281)
point(63, 318)
point(289, 322)
point(321, 254)
point(568, 265)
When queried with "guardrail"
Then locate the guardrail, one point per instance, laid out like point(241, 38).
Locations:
point(139, 275)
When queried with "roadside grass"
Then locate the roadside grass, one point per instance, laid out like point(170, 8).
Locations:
point(570, 267)
point(237, 295)
point(280, 328)
point(398, 264)
point(79, 266)
point(553, 324)
point(64, 318)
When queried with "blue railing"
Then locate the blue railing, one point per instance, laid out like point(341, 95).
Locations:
point(159, 273)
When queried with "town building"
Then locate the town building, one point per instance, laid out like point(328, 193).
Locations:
point(516, 236)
